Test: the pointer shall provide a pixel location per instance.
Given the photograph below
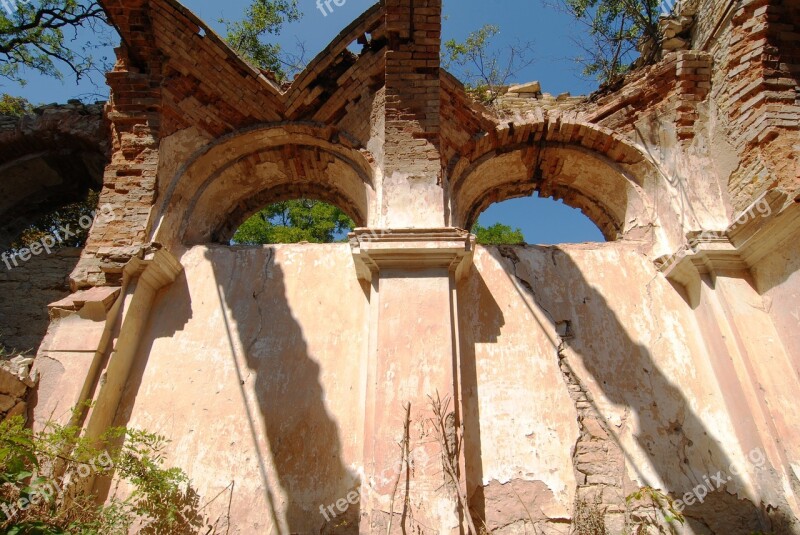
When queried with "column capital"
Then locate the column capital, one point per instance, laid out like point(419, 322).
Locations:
point(156, 267)
point(411, 249)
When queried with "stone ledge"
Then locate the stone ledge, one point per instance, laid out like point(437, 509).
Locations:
point(411, 249)
point(738, 248)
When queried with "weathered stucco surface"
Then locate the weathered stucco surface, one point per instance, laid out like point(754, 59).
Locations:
point(258, 356)
point(298, 383)
point(584, 377)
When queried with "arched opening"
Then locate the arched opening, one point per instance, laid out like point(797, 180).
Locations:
point(534, 220)
point(35, 262)
point(294, 221)
point(236, 177)
point(586, 167)
point(38, 184)
point(51, 168)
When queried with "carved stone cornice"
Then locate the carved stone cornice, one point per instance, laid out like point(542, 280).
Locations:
point(411, 249)
point(756, 232)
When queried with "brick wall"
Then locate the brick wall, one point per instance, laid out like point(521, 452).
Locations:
point(756, 88)
point(129, 182)
point(412, 88)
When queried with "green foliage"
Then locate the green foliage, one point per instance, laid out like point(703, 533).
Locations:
point(614, 28)
point(39, 36)
point(44, 477)
point(482, 68)
point(293, 222)
point(263, 18)
point(14, 106)
point(52, 222)
point(498, 234)
point(656, 500)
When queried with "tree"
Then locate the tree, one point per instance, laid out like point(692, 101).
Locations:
point(615, 29)
point(14, 106)
point(40, 37)
point(482, 68)
point(264, 18)
point(51, 224)
point(293, 222)
point(498, 234)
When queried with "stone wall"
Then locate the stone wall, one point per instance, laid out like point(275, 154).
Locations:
point(292, 377)
point(585, 377)
point(27, 290)
point(15, 384)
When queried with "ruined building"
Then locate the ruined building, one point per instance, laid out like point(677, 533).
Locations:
point(572, 377)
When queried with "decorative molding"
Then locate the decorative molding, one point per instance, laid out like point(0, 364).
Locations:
point(758, 231)
point(411, 249)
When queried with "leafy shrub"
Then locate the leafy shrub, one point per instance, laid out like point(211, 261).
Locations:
point(46, 477)
point(14, 106)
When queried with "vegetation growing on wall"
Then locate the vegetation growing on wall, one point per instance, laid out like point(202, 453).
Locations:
point(264, 18)
point(613, 30)
point(44, 477)
point(650, 508)
point(14, 106)
point(483, 68)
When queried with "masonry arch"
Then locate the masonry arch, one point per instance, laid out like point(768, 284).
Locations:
point(586, 166)
point(47, 160)
point(236, 176)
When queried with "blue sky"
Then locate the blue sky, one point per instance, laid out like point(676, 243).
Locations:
point(551, 32)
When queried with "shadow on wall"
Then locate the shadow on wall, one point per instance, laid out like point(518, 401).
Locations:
point(491, 321)
point(26, 290)
point(679, 446)
point(303, 438)
point(303, 468)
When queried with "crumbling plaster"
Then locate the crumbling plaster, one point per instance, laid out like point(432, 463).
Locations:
point(576, 375)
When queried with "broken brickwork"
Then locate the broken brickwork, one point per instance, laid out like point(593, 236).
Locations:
point(577, 376)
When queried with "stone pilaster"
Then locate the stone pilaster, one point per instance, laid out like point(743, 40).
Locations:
point(413, 360)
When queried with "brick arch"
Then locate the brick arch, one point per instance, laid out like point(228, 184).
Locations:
point(337, 78)
point(239, 174)
point(585, 165)
point(48, 159)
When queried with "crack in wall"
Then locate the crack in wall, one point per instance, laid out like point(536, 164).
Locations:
point(256, 294)
point(509, 254)
point(598, 461)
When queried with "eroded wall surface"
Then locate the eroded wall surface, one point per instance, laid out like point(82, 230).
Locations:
point(26, 290)
point(591, 378)
point(578, 376)
point(584, 374)
point(256, 355)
